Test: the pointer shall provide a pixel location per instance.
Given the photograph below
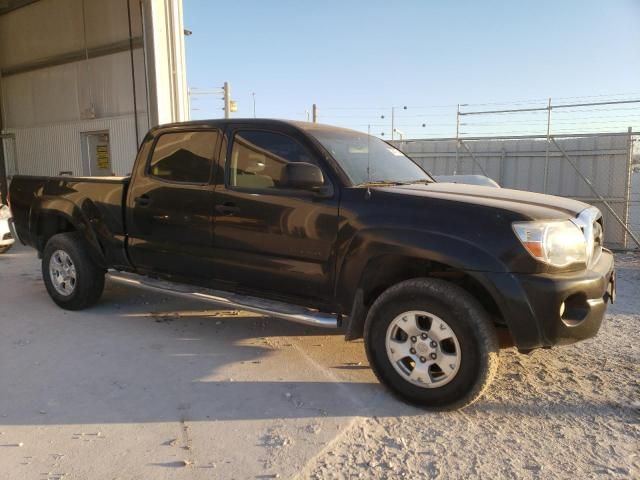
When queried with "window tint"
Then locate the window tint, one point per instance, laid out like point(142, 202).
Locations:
point(184, 156)
point(258, 159)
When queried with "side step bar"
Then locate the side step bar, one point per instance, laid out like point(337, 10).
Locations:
point(271, 308)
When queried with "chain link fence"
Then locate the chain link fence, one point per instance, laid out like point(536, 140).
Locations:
point(593, 168)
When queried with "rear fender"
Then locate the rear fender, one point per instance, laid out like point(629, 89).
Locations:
point(83, 220)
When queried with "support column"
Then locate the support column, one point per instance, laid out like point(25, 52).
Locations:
point(165, 61)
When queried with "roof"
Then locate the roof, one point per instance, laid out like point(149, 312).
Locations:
point(306, 126)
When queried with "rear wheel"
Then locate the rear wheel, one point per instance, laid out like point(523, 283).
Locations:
point(73, 280)
point(431, 343)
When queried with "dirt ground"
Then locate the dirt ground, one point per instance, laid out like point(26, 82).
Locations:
point(145, 386)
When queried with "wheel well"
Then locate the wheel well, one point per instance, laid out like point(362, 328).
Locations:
point(391, 269)
point(50, 225)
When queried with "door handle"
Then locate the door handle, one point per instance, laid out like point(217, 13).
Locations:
point(227, 208)
point(161, 218)
point(143, 200)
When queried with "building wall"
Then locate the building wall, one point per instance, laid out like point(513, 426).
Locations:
point(71, 66)
point(52, 149)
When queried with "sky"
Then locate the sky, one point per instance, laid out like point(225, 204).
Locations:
point(357, 59)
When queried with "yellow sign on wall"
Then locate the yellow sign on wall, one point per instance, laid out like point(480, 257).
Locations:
point(102, 157)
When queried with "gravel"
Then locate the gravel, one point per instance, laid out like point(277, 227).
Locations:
point(570, 412)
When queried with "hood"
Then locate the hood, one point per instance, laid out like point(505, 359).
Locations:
point(536, 206)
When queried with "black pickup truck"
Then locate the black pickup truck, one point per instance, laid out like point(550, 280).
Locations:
point(334, 228)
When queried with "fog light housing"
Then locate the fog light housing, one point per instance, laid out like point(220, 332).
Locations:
point(576, 308)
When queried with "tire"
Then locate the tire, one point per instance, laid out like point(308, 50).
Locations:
point(86, 278)
point(467, 350)
point(5, 249)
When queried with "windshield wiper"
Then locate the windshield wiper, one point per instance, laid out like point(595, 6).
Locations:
point(373, 183)
point(421, 180)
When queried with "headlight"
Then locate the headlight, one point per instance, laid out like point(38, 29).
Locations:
point(5, 213)
point(558, 243)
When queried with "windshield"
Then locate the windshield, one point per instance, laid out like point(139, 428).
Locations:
point(367, 159)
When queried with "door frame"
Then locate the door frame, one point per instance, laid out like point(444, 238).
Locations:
point(86, 153)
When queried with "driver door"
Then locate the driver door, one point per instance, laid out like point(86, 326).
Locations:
point(269, 237)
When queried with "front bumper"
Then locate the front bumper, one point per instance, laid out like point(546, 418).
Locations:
point(556, 309)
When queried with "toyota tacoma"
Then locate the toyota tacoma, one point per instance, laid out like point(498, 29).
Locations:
point(334, 228)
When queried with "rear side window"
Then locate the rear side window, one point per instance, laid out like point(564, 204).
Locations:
point(258, 158)
point(184, 156)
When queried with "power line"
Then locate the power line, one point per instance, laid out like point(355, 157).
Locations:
point(468, 104)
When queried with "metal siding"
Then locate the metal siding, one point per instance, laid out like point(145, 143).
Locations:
point(21, 31)
point(66, 92)
point(60, 22)
point(50, 149)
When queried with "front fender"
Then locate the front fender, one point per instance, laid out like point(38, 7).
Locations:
point(358, 258)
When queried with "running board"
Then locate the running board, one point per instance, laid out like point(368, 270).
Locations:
point(271, 308)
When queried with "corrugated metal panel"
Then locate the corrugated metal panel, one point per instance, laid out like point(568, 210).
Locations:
point(51, 149)
point(10, 157)
point(66, 92)
point(60, 22)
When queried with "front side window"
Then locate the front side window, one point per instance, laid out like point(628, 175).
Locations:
point(184, 156)
point(258, 159)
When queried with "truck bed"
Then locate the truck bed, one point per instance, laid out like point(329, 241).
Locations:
point(95, 202)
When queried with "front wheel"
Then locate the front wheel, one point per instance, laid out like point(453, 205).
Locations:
point(431, 343)
point(73, 280)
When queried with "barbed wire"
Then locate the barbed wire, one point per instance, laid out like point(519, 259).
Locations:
point(420, 121)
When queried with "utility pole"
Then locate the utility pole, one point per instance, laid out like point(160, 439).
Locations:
point(253, 94)
point(227, 99)
point(393, 121)
point(189, 102)
point(314, 113)
point(223, 92)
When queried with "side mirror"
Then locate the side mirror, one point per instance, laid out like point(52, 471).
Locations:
point(303, 176)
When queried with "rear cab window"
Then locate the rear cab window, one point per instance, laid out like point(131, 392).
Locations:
point(184, 156)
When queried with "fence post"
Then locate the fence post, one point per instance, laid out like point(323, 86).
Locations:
point(502, 155)
point(546, 153)
point(593, 189)
point(627, 184)
point(457, 140)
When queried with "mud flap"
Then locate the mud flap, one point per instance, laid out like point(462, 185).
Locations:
point(355, 325)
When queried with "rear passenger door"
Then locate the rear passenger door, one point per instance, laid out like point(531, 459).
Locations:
point(170, 204)
point(270, 238)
